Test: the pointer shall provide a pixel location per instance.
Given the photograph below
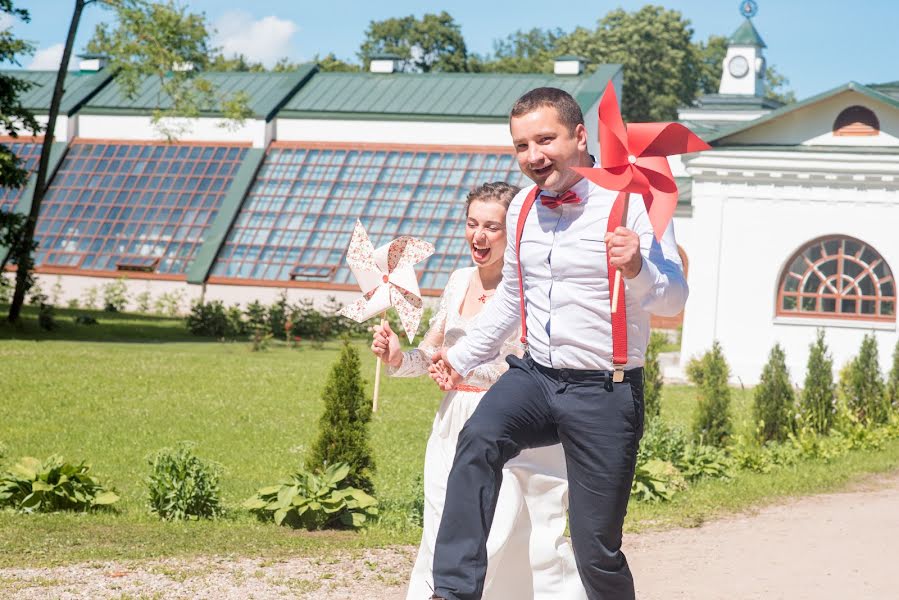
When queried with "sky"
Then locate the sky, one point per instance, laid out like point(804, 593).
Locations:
point(816, 45)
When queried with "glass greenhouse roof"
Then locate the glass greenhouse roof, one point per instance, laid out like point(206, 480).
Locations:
point(29, 153)
point(298, 217)
point(133, 206)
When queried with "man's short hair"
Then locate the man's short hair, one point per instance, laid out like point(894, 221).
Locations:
point(570, 113)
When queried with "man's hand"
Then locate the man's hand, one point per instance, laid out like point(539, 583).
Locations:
point(442, 372)
point(624, 251)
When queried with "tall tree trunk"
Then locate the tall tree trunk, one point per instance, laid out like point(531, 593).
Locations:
point(40, 188)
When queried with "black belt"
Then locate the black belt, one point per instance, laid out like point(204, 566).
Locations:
point(585, 375)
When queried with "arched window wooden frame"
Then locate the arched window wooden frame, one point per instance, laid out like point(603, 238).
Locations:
point(856, 121)
point(837, 277)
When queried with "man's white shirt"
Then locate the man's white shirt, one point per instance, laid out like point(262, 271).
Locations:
point(566, 285)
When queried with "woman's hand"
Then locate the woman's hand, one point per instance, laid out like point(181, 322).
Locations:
point(386, 345)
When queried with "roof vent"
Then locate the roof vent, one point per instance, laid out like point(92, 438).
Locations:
point(385, 63)
point(568, 65)
point(91, 62)
point(183, 66)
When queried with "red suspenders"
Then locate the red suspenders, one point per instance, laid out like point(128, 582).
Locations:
point(619, 317)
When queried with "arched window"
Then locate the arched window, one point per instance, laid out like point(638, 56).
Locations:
point(856, 120)
point(837, 277)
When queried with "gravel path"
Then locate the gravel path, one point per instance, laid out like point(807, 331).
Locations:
point(830, 546)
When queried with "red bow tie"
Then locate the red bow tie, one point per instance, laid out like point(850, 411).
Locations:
point(568, 197)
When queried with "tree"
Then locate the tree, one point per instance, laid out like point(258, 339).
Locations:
point(342, 429)
point(330, 63)
point(434, 43)
point(862, 384)
point(148, 39)
point(773, 401)
point(655, 47)
point(818, 400)
point(652, 376)
point(893, 381)
point(521, 52)
point(712, 421)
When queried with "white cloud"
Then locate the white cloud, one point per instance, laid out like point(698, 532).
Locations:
point(264, 40)
point(46, 58)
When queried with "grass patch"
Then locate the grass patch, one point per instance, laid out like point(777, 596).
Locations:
point(91, 392)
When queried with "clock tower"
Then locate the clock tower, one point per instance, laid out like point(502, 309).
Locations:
point(744, 66)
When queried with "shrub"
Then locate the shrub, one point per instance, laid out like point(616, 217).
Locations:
point(212, 319)
point(56, 292)
point(115, 295)
point(818, 399)
point(91, 296)
point(36, 294)
point(712, 422)
point(862, 384)
point(53, 485)
point(142, 302)
point(773, 400)
point(45, 318)
point(314, 501)
point(73, 303)
point(169, 303)
point(342, 429)
point(84, 320)
point(700, 461)
point(663, 442)
point(892, 390)
point(652, 376)
point(182, 486)
point(656, 481)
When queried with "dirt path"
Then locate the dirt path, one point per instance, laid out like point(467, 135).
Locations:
point(830, 546)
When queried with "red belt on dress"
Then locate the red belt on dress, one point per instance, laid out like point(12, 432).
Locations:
point(464, 387)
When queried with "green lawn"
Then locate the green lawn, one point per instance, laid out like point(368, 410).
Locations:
point(92, 392)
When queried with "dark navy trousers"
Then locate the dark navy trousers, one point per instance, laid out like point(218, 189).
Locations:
point(599, 424)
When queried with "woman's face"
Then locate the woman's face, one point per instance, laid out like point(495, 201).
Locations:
point(485, 232)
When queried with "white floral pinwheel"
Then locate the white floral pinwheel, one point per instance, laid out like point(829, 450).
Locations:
point(386, 278)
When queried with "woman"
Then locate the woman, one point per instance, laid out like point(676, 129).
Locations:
point(528, 554)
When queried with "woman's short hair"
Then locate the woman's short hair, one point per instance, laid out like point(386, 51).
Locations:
point(496, 191)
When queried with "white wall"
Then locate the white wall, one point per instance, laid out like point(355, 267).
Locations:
point(394, 132)
point(77, 287)
point(138, 128)
point(744, 231)
point(62, 129)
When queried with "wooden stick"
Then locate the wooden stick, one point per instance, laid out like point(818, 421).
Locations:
point(374, 400)
point(617, 286)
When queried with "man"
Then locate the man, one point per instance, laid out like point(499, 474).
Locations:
point(563, 389)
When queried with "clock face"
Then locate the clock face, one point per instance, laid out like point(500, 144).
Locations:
point(738, 66)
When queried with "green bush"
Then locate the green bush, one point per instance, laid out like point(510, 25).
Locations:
point(343, 427)
point(142, 301)
point(699, 461)
point(314, 501)
point(53, 485)
point(773, 401)
point(663, 442)
point(656, 481)
point(652, 376)
point(862, 384)
point(818, 399)
point(892, 390)
point(182, 486)
point(212, 319)
point(45, 318)
point(712, 421)
point(115, 295)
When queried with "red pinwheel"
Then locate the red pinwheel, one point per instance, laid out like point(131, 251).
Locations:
point(633, 159)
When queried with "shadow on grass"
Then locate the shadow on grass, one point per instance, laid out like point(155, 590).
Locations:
point(110, 327)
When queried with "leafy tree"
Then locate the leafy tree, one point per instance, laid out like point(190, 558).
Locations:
point(862, 384)
point(521, 52)
point(712, 421)
point(342, 429)
point(433, 43)
point(893, 381)
point(818, 400)
point(655, 47)
point(330, 63)
point(652, 376)
point(148, 39)
point(772, 407)
point(238, 62)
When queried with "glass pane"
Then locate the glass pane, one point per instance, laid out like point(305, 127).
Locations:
point(828, 305)
point(868, 307)
point(847, 307)
point(887, 308)
point(811, 284)
point(808, 304)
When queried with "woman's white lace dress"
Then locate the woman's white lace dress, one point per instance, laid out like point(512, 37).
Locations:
point(528, 553)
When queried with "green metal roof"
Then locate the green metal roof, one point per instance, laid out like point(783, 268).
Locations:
point(746, 35)
point(890, 89)
point(268, 92)
point(79, 87)
point(874, 94)
point(433, 96)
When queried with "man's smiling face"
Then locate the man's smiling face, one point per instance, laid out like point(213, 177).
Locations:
point(546, 148)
